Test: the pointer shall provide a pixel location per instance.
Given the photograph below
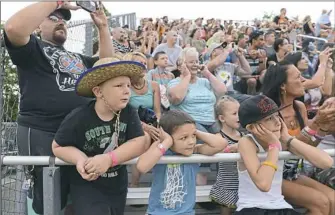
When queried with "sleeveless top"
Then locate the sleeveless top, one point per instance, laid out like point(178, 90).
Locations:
point(292, 167)
point(251, 197)
point(146, 100)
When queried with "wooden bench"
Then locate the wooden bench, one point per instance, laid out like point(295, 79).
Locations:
point(140, 196)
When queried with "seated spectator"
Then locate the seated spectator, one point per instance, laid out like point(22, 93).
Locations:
point(119, 38)
point(283, 84)
point(269, 38)
point(170, 48)
point(196, 96)
point(256, 57)
point(281, 49)
point(227, 73)
point(161, 76)
point(260, 182)
point(196, 41)
point(145, 94)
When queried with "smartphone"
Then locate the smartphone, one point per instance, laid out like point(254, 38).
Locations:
point(89, 6)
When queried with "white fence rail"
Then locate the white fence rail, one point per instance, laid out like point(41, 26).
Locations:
point(306, 36)
point(220, 157)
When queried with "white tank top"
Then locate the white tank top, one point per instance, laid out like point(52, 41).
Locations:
point(251, 197)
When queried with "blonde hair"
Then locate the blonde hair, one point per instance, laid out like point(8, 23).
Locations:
point(220, 105)
point(189, 51)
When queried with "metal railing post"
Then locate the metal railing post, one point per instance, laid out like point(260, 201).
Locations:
point(88, 39)
point(51, 189)
point(1, 185)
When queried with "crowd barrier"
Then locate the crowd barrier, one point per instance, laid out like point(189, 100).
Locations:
point(51, 173)
point(296, 46)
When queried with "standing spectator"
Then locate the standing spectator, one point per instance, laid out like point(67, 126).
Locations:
point(110, 135)
point(308, 26)
point(47, 76)
point(323, 22)
point(281, 18)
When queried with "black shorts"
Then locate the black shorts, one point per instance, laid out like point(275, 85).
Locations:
point(258, 211)
point(88, 200)
point(40, 145)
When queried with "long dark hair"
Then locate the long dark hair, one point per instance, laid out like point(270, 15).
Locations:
point(275, 76)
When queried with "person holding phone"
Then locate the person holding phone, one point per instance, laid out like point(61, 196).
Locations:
point(47, 80)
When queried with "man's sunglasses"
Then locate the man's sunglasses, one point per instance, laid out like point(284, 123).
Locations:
point(56, 19)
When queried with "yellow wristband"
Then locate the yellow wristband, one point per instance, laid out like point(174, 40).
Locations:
point(270, 164)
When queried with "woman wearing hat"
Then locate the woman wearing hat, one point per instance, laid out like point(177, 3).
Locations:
point(99, 136)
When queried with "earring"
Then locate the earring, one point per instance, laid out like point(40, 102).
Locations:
point(284, 92)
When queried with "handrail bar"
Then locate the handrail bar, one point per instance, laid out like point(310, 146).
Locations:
point(220, 157)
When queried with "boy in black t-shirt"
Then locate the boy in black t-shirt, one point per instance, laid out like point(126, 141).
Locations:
point(100, 135)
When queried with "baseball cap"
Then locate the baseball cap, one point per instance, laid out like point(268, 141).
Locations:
point(214, 46)
point(257, 108)
point(64, 12)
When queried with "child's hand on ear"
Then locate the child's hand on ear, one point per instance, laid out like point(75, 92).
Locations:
point(263, 133)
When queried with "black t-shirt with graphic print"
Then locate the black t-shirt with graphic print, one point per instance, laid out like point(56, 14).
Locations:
point(47, 76)
point(83, 129)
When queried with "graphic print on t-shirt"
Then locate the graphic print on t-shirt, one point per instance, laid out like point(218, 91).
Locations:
point(67, 66)
point(99, 138)
point(225, 77)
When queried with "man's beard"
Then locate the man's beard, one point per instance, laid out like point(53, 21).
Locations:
point(57, 38)
point(122, 39)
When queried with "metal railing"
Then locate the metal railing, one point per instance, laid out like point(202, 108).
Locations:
point(51, 174)
point(296, 46)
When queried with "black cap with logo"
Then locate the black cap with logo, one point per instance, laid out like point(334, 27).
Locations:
point(257, 108)
point(64, 12)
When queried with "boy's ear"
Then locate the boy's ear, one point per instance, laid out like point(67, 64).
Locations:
point(97, 92)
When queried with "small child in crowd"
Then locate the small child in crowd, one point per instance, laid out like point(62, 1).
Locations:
point(225, 189)
point(260, 180)
point(161, 76)
point(173, 190)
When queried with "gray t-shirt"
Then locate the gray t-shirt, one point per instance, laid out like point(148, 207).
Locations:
point(226, 74)
point(172, 53)
point(269, 50)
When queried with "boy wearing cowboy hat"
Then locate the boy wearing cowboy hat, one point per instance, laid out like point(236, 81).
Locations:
point(99, 136)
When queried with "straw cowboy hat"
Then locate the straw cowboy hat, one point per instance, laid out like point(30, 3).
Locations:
point(105, 69)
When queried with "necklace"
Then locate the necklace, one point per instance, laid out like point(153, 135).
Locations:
point(140, 88)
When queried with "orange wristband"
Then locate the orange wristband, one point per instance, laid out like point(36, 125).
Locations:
point(270, 164)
